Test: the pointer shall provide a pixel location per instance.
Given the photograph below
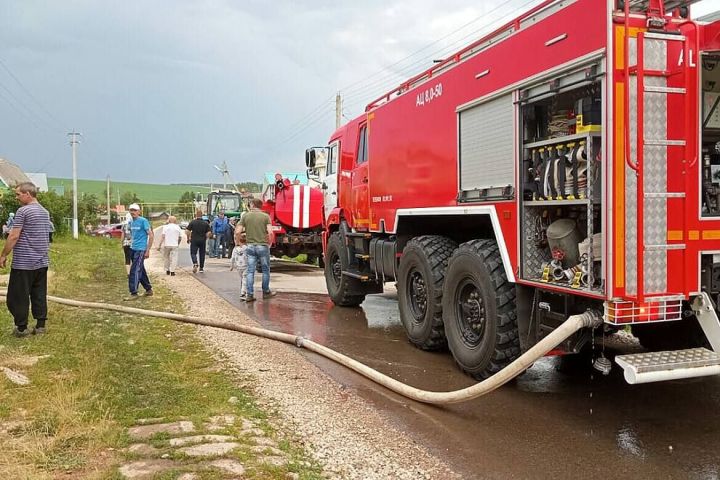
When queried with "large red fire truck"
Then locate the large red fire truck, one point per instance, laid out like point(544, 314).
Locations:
point(567, 161)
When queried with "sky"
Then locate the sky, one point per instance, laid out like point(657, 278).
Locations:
point(163, 90)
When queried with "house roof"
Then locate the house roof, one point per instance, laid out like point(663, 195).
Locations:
point(11, 174)
point(40, 181)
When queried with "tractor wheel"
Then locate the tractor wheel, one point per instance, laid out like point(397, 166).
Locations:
point(479, 310)
point(421, 274)
point(343, 290)
point(657, 337)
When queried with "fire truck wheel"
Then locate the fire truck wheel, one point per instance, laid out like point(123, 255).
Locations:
point(343, 290)
point(479, 310)
point(420, 280)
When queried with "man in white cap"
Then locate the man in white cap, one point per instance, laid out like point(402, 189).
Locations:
point(142, 241)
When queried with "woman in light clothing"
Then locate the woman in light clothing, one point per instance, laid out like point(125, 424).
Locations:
point(239, 261)
point(169, 242)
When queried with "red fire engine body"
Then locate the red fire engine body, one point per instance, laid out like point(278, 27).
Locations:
point(296, 214)
point(562, 163)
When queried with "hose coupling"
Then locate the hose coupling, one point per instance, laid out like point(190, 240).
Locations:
point(591, 318)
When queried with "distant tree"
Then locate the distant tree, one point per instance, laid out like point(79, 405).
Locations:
point(187, 197)
point(88, 209)
point(59, 208)
point(8, 204)
point(129, 197)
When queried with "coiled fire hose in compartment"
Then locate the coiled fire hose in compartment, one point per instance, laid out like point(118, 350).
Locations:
point(574, 323)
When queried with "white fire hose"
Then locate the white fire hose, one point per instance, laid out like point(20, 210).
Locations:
point(574, 323)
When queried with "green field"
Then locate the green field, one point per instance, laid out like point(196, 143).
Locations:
point(147, 192)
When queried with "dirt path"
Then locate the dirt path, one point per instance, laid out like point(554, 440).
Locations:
point(345, 434)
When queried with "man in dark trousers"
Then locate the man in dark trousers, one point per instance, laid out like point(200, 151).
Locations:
point(257, 227)
point(29, 241)
point(197, 233)
point(142, 241)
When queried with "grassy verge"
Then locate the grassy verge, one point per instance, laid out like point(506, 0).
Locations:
point(97, 373)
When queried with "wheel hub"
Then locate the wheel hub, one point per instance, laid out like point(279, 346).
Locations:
point(336, 269)
point(418, 295)
point(471, 314)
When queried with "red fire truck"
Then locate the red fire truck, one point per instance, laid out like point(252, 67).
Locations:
point(296, 213)
point(567, 161)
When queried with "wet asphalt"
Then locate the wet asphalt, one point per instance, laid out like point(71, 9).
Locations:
point(560, 418)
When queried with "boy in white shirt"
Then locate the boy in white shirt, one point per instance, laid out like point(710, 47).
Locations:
point(169, 242)
point(239, 261)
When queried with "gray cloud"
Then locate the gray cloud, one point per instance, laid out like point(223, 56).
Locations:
point(164, 89)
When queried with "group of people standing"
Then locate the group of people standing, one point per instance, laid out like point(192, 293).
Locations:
point(251, 236)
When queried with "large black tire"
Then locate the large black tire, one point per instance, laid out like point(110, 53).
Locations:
point(343, 290)
point(420, 281)
point(662, 336)
point(479, 310)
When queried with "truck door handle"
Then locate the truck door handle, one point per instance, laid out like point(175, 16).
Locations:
point(333, 193)
point(365, 180)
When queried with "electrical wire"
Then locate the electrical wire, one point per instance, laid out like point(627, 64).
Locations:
point(5, 67)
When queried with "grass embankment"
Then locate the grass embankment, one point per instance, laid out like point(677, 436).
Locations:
point(149, 193)
point(101, 372)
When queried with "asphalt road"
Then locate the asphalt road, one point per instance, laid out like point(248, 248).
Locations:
point(559, 419)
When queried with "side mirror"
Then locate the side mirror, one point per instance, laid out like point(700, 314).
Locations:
point(310, 158)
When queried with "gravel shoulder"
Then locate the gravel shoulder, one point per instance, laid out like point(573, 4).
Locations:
point(340, 430)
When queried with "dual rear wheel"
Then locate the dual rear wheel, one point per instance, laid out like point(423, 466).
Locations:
point(459, 297)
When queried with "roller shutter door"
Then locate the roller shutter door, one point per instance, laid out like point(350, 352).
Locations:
point(486, 145)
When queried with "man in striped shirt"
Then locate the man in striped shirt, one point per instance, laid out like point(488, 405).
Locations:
point(29, 242)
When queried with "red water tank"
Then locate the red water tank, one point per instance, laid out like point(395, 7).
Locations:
point(299, 207)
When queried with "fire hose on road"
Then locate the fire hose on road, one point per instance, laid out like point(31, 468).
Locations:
point(574, 323)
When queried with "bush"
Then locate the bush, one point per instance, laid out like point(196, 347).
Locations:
point(59, 207)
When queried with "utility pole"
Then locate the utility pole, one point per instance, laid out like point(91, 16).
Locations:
point(338, 110)
point(108, 200)
point(73, 143)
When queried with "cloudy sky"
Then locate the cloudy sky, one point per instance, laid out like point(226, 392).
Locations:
point(162, 90)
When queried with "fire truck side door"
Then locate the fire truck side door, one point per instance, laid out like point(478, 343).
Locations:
point(330, 182)
point(360, 201)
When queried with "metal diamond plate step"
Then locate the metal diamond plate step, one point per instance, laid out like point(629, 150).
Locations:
point(658, 366)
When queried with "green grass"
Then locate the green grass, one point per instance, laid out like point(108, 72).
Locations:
point(147, 192)
point(107, 370)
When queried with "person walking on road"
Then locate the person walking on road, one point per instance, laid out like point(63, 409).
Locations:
point(197, 233)
point(28, 239)
point(257, 227)
point(169, 242)
point(238, 262)
point(142, 242)
point(219, 226)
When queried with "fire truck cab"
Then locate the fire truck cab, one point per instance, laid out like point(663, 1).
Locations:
point(568, 161)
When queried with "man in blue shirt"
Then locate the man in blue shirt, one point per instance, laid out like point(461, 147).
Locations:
point(219, 225)
point(142, 241)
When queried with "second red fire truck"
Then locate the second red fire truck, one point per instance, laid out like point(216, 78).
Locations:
point(569, 161)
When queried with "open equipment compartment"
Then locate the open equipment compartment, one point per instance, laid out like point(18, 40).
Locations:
point(710, 82)
point(560, 216)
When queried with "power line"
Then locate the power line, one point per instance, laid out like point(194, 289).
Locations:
point(445, 51)
point(29, 94)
